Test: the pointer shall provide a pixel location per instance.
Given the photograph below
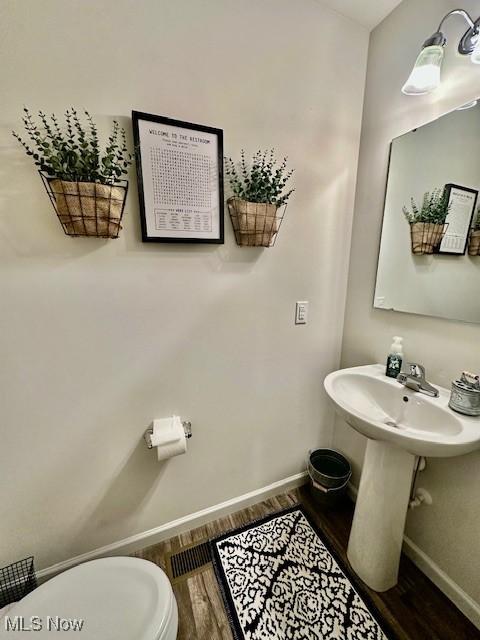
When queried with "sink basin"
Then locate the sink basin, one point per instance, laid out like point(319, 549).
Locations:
point(383, 409)
point(400, 424)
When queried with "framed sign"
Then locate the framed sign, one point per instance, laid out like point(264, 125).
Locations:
point(180, 179)
point(462, 206)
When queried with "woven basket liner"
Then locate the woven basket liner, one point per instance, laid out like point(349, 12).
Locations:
point(254, 223)
point(426, 236)
point(88, 208)
point(474, 244)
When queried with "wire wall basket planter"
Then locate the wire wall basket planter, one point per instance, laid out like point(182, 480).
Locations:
point(474, 243)
point(87, 208)
point(16, 580)
point(426, 237)
point(255, 224)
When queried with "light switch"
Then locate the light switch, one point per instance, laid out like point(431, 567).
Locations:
point(301, 313)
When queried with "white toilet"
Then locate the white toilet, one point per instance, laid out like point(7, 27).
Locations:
point(117, 598)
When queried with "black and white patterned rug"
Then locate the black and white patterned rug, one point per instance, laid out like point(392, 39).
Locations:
point(279, 581)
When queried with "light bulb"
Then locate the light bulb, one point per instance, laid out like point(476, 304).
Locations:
point(475, 57)
point(425, 76)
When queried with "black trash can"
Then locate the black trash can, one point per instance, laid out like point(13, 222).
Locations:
point(329, 473)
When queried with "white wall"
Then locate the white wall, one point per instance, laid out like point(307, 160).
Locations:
point(448, 530)
point(422, 160)
point(99, 337)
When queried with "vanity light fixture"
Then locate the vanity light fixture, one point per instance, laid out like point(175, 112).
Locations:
point(476, 52)
point(425, 75)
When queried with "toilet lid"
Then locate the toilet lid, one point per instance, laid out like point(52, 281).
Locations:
point(117, 598)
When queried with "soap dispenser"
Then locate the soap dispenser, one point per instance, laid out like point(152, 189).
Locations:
point(395, 358)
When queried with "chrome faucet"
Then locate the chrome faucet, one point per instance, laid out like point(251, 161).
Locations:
point(416, 380)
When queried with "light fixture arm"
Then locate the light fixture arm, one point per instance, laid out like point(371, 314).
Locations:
point(458, 12)
point(469, 39)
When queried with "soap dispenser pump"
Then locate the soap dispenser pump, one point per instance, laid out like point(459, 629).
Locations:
point(395, 358)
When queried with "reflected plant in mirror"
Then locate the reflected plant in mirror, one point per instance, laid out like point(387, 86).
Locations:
point(427, 223)
point(474, 243)
point(431, 266)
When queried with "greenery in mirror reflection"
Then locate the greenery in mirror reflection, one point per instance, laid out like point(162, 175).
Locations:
point(476, 221)
point(434, 208)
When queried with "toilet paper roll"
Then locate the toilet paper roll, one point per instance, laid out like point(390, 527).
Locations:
point(168, 437)
point(166, 451)
point(166, 431)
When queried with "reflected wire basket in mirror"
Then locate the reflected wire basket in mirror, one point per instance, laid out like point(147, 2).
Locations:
point(426, 237)
point(255, 224)
point(474, 243)
point(87, 208)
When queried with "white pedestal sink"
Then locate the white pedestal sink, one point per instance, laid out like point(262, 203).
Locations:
point(400, 424)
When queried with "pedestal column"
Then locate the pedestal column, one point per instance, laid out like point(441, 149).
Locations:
point(376, 537)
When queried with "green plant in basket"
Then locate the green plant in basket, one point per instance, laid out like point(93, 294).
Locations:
point(84, 180)
point(474, 236)
point(72, 152)
point(434, 209)
point(260, 189)
point(427, 222)
point(476, 221)
point(264, 179)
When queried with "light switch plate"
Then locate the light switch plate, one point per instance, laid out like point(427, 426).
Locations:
point(301, 312)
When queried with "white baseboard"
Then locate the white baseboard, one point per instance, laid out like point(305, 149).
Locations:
point(176, 527)
point(451, 589)
point(467, 605)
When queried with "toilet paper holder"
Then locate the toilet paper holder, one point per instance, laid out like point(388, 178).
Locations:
point(187, 429)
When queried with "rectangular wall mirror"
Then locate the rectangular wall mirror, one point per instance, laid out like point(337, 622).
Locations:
point(429, 260)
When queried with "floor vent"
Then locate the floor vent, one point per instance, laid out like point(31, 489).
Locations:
point(188, 561)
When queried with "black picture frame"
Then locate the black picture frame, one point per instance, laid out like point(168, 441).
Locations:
point(137, 118)
point(449, 187)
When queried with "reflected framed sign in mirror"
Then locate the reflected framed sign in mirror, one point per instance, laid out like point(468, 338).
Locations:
point(427, 261)
point(461, 207)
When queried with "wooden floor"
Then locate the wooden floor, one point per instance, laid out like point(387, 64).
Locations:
point(415, 608)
